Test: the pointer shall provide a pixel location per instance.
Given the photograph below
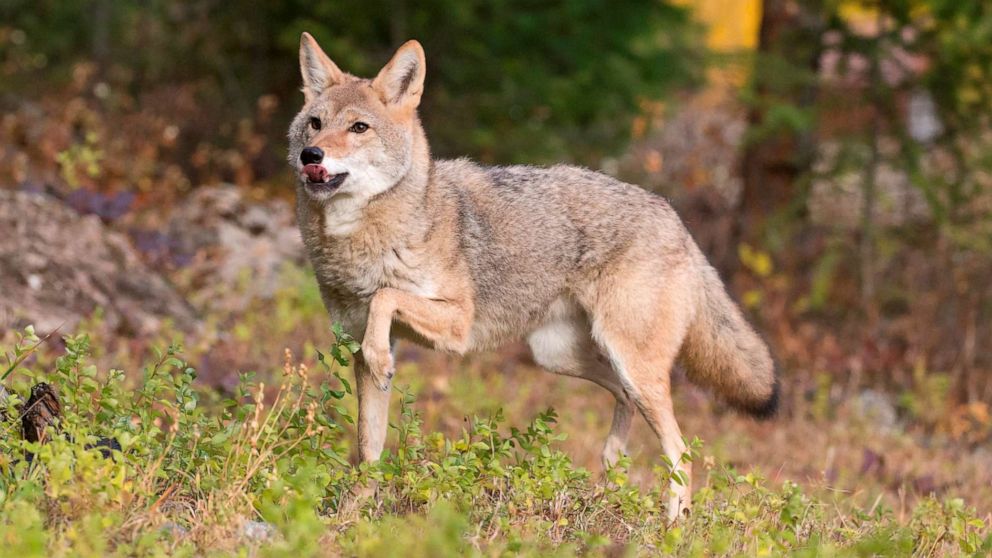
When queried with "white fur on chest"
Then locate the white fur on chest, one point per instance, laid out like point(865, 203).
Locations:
point(342, 215)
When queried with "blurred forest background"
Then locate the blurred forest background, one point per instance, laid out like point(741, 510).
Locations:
point(833, 158)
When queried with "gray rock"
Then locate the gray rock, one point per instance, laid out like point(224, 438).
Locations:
point(237, 247)
point(257, 531)
point(876, 407)
point(57, 267)
point(836, 197)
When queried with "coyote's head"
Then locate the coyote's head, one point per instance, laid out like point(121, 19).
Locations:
point(356, 138)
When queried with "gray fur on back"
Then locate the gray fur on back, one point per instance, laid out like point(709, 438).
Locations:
point(529, 234)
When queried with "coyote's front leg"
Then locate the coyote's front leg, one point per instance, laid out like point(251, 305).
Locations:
point(445, 323)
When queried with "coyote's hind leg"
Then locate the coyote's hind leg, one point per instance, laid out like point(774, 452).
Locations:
point(649, 377)
point(616, 442)
point(641, 328)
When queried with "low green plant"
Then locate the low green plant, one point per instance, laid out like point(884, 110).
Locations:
point(194, 472)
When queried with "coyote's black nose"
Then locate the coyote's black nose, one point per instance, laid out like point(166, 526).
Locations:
point(312, 155)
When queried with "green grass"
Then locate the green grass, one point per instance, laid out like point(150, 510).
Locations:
point(195, 467)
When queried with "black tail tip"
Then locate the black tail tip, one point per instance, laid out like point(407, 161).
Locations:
point(767, 408)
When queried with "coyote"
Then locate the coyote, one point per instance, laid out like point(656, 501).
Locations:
point(600, 277)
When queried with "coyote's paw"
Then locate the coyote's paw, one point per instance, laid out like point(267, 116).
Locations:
point(381, 366)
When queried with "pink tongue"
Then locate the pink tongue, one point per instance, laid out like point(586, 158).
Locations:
point(315, 172)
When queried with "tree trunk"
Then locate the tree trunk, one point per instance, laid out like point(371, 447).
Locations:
point(101, 37)
point(784, 74)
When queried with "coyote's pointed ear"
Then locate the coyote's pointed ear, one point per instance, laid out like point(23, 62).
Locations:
point(318, 71)
point(401, 82)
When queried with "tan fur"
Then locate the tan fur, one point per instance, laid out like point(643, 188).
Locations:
point(600, 277)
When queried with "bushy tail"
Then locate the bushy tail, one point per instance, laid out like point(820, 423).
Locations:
point(723, 352)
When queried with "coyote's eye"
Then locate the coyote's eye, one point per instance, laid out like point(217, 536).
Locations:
point(315, 123)
point(358, 127)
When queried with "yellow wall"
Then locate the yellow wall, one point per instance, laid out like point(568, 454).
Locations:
point(731, 24)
